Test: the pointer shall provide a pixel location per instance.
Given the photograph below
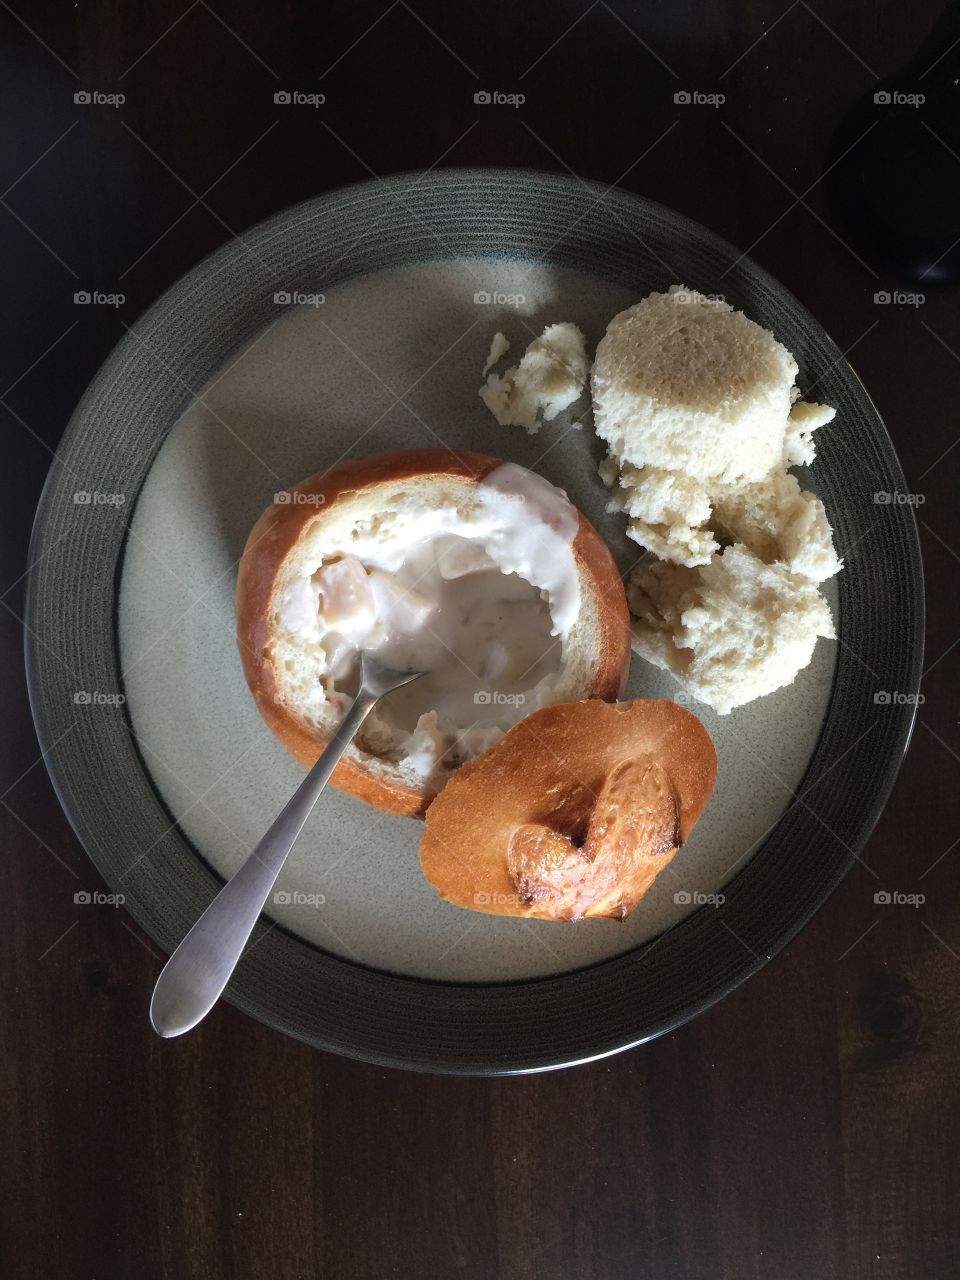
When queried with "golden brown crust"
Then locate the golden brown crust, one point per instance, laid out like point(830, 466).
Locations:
point(281, 528)
point(493, 822)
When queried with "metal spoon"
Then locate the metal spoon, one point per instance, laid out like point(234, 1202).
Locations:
point(195, 975)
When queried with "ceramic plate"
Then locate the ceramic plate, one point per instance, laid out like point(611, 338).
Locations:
point(355, 323)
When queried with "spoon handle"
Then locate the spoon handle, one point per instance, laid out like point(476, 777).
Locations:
point(197, 972)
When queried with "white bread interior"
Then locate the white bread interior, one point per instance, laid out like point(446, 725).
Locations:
point(729, 631)
point(684, 383)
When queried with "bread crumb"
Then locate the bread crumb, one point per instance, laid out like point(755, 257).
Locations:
point(799, 448)
point(550, 377)
point(499, 346)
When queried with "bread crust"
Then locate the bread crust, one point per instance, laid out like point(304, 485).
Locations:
point(550, 770)
point(279, 532)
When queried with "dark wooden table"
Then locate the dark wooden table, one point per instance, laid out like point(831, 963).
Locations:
point(806, 1128)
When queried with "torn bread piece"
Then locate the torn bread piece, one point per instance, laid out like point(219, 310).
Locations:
point(549, 378)
point(780, 523)
point(686, 521)
point(573, 813)
point(668, 513)
point(729, 631)
point(702, 418)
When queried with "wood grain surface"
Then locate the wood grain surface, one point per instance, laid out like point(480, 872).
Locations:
point(805, 1129)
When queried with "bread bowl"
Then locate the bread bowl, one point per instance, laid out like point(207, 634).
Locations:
point(573, 813)
point(344, 549)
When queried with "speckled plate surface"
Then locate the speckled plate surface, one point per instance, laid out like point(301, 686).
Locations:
point(359, 322)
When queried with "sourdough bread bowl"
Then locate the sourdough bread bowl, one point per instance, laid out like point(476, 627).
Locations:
point(474, 569)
